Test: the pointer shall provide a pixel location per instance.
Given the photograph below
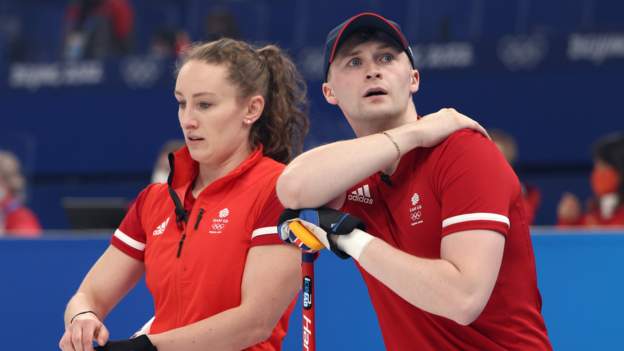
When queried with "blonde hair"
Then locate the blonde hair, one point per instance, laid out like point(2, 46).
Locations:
point(11, 174)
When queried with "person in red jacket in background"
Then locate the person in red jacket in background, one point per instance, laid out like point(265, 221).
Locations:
point(531, 196)
point(96, 29)
point(607, 206)
point(15, 218)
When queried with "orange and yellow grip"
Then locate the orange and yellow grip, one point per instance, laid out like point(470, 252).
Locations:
point(304, 235)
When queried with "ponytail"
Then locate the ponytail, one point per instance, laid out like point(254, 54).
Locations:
point(284, 122)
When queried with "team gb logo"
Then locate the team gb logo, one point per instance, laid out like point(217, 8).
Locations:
point(224, 213)
point(415, 211)
point(415, 199)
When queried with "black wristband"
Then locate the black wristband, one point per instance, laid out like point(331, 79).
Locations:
point(140, 343)
point(83, 312)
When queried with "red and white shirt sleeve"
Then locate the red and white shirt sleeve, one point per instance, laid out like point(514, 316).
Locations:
point(130, 236)
point(265, 226)
point(475, 184)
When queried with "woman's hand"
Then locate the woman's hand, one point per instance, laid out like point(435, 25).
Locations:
point(108, 281)
point(82, 331)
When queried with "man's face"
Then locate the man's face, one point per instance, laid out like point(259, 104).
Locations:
point(370, 80)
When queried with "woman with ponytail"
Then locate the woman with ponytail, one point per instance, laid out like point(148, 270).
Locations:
point(206, 241)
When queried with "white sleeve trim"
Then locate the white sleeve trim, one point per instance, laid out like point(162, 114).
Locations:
point(264, 231)
point(145, 329)
point(480, 216)
point(129, 241)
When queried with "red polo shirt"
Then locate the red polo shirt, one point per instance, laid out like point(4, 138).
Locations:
point(17, 219)
point(464, 183)
point(201, 276)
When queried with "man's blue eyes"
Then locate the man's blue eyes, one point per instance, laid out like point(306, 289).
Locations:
point(355, 62)
point(386, 58)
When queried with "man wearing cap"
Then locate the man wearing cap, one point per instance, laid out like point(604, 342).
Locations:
point(446, 252)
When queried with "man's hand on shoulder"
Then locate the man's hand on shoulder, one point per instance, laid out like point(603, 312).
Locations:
point(435, 127)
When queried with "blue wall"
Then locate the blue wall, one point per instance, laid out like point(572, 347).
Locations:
point(579, 276)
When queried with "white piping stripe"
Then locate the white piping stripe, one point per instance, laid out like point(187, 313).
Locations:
point(481, 216)
point(264, 231)
point(145, 329)
point(129, 241)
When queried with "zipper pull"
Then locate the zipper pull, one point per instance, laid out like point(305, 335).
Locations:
point(199, 217)
point(180, 244)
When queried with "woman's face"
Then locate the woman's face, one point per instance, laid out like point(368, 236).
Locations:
point(604, 178)
point(4, 190)
point(213, 118)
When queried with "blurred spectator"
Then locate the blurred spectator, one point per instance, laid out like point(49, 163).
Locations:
point(606, 208)
point(220, 23)
point(161, 168)
point(168, 43)
point(13, 44)
point(15, 218)
point(97, 29)
point(163, 44)
point(183, 42)
point(509, 148)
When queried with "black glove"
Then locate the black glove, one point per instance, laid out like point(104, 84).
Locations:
point(286, 215)
point(140, 343)
point(329, 220)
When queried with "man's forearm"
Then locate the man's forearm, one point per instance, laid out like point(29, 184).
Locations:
point(318, 176)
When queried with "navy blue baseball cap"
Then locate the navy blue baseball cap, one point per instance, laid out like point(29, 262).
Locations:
point(365, 20)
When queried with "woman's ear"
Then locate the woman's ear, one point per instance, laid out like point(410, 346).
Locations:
point(255, 106)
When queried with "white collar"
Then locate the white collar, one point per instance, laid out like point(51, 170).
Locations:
point(608, 204)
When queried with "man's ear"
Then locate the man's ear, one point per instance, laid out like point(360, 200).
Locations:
point(328, 93)
point(255, 106)
point(415, 81)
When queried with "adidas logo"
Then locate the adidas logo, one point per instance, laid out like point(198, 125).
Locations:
point(362, 194)
point(161, 228)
